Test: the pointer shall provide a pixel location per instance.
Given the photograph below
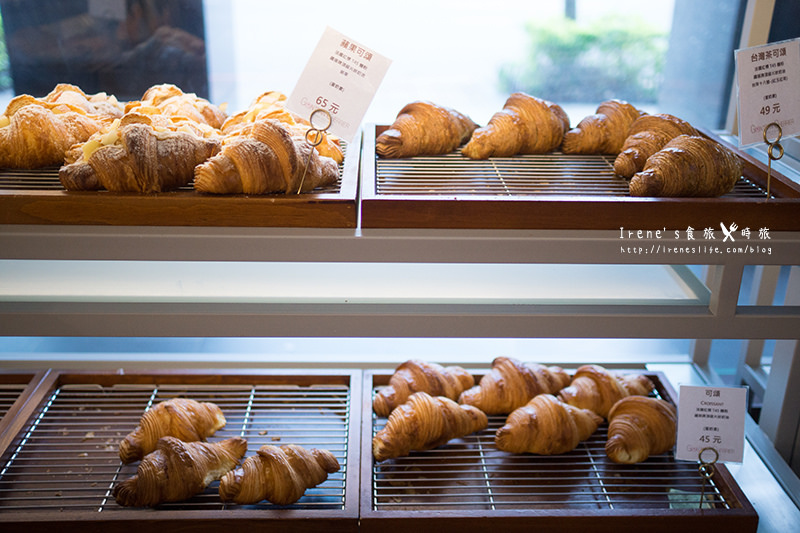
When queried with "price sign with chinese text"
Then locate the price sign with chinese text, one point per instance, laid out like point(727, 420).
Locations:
point(711, 417)
point(341, 77)
point(768, 79)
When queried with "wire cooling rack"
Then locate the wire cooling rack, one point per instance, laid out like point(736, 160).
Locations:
point(66, 457)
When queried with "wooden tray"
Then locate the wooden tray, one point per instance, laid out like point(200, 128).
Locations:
point(37, 197)
point(59, 467)
point(470, 486)
point(553, 191)
point(15, 387)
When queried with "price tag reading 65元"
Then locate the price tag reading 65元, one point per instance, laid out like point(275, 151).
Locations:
point(341, 77)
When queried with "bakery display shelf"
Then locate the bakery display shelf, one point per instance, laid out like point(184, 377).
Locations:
point(62, 465)
point(13, 386)
point(469, 485)
point(37, 197)
point(553, 191)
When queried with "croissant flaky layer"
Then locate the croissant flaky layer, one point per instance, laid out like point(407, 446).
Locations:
point(546, 426)
point(37, 132)
point(525, 125)
point(420, 376)
point(424, 128)
point(688, 166)
point(639, 427)
point(425, 422)
point(264, 157)
point(511, 384)
point(178, 470)
point(595, 388)
point(182, 418)
point(603, 132)
point(279, 475)
point(647, 135)
point(139, 158)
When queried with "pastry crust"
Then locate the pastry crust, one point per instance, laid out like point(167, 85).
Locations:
point(647, 135)
point(525, 125)
point(640, 427)
point(595, 388)
point(420, 376)
point(604, 132)
point(424, 128)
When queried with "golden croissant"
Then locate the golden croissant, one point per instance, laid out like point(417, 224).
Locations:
point(170, 100)
point(595, 388)
point(37, 132)
point(279, 475)
point(178, 470)
point(424, 128)
point(603, 132)
point(136, 157)
point(688, 166)
point(182, 418)
point(272, 104)
point(264, 158)
point(425, 422)
point(511, 384)
point(647, 135)
point(546, 426)
point(415, 376)
point(639, 427)
point(525, 125)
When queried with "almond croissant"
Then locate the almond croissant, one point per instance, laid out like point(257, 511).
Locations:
point(136, 157)
point(171, 101)
point(647, 135)
point(546, 426)
point(639, 427)
point(424, 128)
point(425, 422)
point(279, 475)
point(263, 158)
point(604, 132)
point(37, 132)
point(182, 418)
point(415, 376)
point(511, 384)
point(178, 470)
point(688, 166)
point(525, 125)
point(595, 388)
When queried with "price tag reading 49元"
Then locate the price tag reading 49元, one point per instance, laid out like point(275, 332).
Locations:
point(711, 417)
point(341, 77)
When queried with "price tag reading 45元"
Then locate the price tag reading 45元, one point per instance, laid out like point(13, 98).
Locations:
point(711, 417)
point(341, 77)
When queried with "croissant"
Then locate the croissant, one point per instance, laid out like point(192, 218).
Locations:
point(604, 132)
point(511, 384)
point(647, 135)
point(595, 388)
point(425, 422)
point(546, 426)
point(415, 376)
point(170, 100)
point(136, 157)
point(279, 475)
point(37, 132)
point(688, 166)
point(424, 128)
point(639, 427)
point(264, 158)
point(525, 125)
point(178, 470)
point(272, 104)
point(182, 418)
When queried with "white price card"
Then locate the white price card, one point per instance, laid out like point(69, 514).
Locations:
point(341, 77)
point(711, 417)
point(768, 78)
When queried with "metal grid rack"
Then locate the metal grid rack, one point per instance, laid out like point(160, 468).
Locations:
point(469, 485)
point(9, 392)
point(67, 456)
point(548, 175)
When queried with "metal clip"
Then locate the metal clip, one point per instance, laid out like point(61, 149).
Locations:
point(317, 134)
point(707, 470)
point(772, 145)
